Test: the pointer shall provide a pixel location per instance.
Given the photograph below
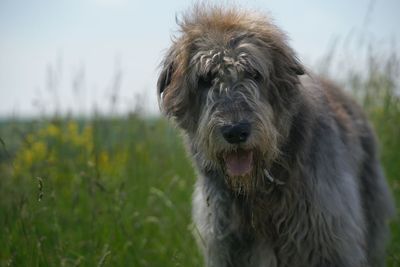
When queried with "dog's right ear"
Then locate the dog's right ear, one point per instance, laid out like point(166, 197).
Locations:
point(164, 80)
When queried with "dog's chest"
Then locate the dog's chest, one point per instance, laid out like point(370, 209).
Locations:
point(227, 232)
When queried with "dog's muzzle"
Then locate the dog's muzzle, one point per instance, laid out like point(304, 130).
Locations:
point(236, 133)
point(238, 162)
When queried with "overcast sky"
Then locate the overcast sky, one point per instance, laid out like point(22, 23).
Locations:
point(84, 48)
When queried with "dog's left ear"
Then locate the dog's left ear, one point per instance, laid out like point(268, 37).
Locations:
point(291, 60)
point(297, 67)
point(285, 55)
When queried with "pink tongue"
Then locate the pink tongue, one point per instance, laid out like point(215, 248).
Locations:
point(239, 163)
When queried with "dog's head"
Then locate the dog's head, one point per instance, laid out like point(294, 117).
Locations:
point(229, 81)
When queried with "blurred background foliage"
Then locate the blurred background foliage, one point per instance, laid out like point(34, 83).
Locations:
point(101, 191)
point(115, 190)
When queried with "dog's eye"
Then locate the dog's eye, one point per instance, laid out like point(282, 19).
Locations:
point(254, 75)
point(206, 81)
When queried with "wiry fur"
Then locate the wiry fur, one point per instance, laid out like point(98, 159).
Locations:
point(316, 195)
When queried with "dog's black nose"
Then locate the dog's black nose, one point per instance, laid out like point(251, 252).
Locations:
point(236, 133)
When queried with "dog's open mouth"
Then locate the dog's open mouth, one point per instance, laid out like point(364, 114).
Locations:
point(239, 162)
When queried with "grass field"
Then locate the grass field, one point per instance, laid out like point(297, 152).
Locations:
point(110, 192)
point(116, 191)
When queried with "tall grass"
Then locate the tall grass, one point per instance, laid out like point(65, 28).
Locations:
point(116, 191)
point(104, 192)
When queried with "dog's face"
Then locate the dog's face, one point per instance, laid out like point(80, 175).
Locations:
point(228, 81)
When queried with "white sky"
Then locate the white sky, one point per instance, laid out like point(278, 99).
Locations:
point(98, 39)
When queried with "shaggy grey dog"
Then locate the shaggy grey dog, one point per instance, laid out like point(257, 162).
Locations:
point(288, 169)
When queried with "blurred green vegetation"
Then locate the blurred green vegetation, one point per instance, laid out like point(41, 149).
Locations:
point(99, 192)
point(116, 191)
